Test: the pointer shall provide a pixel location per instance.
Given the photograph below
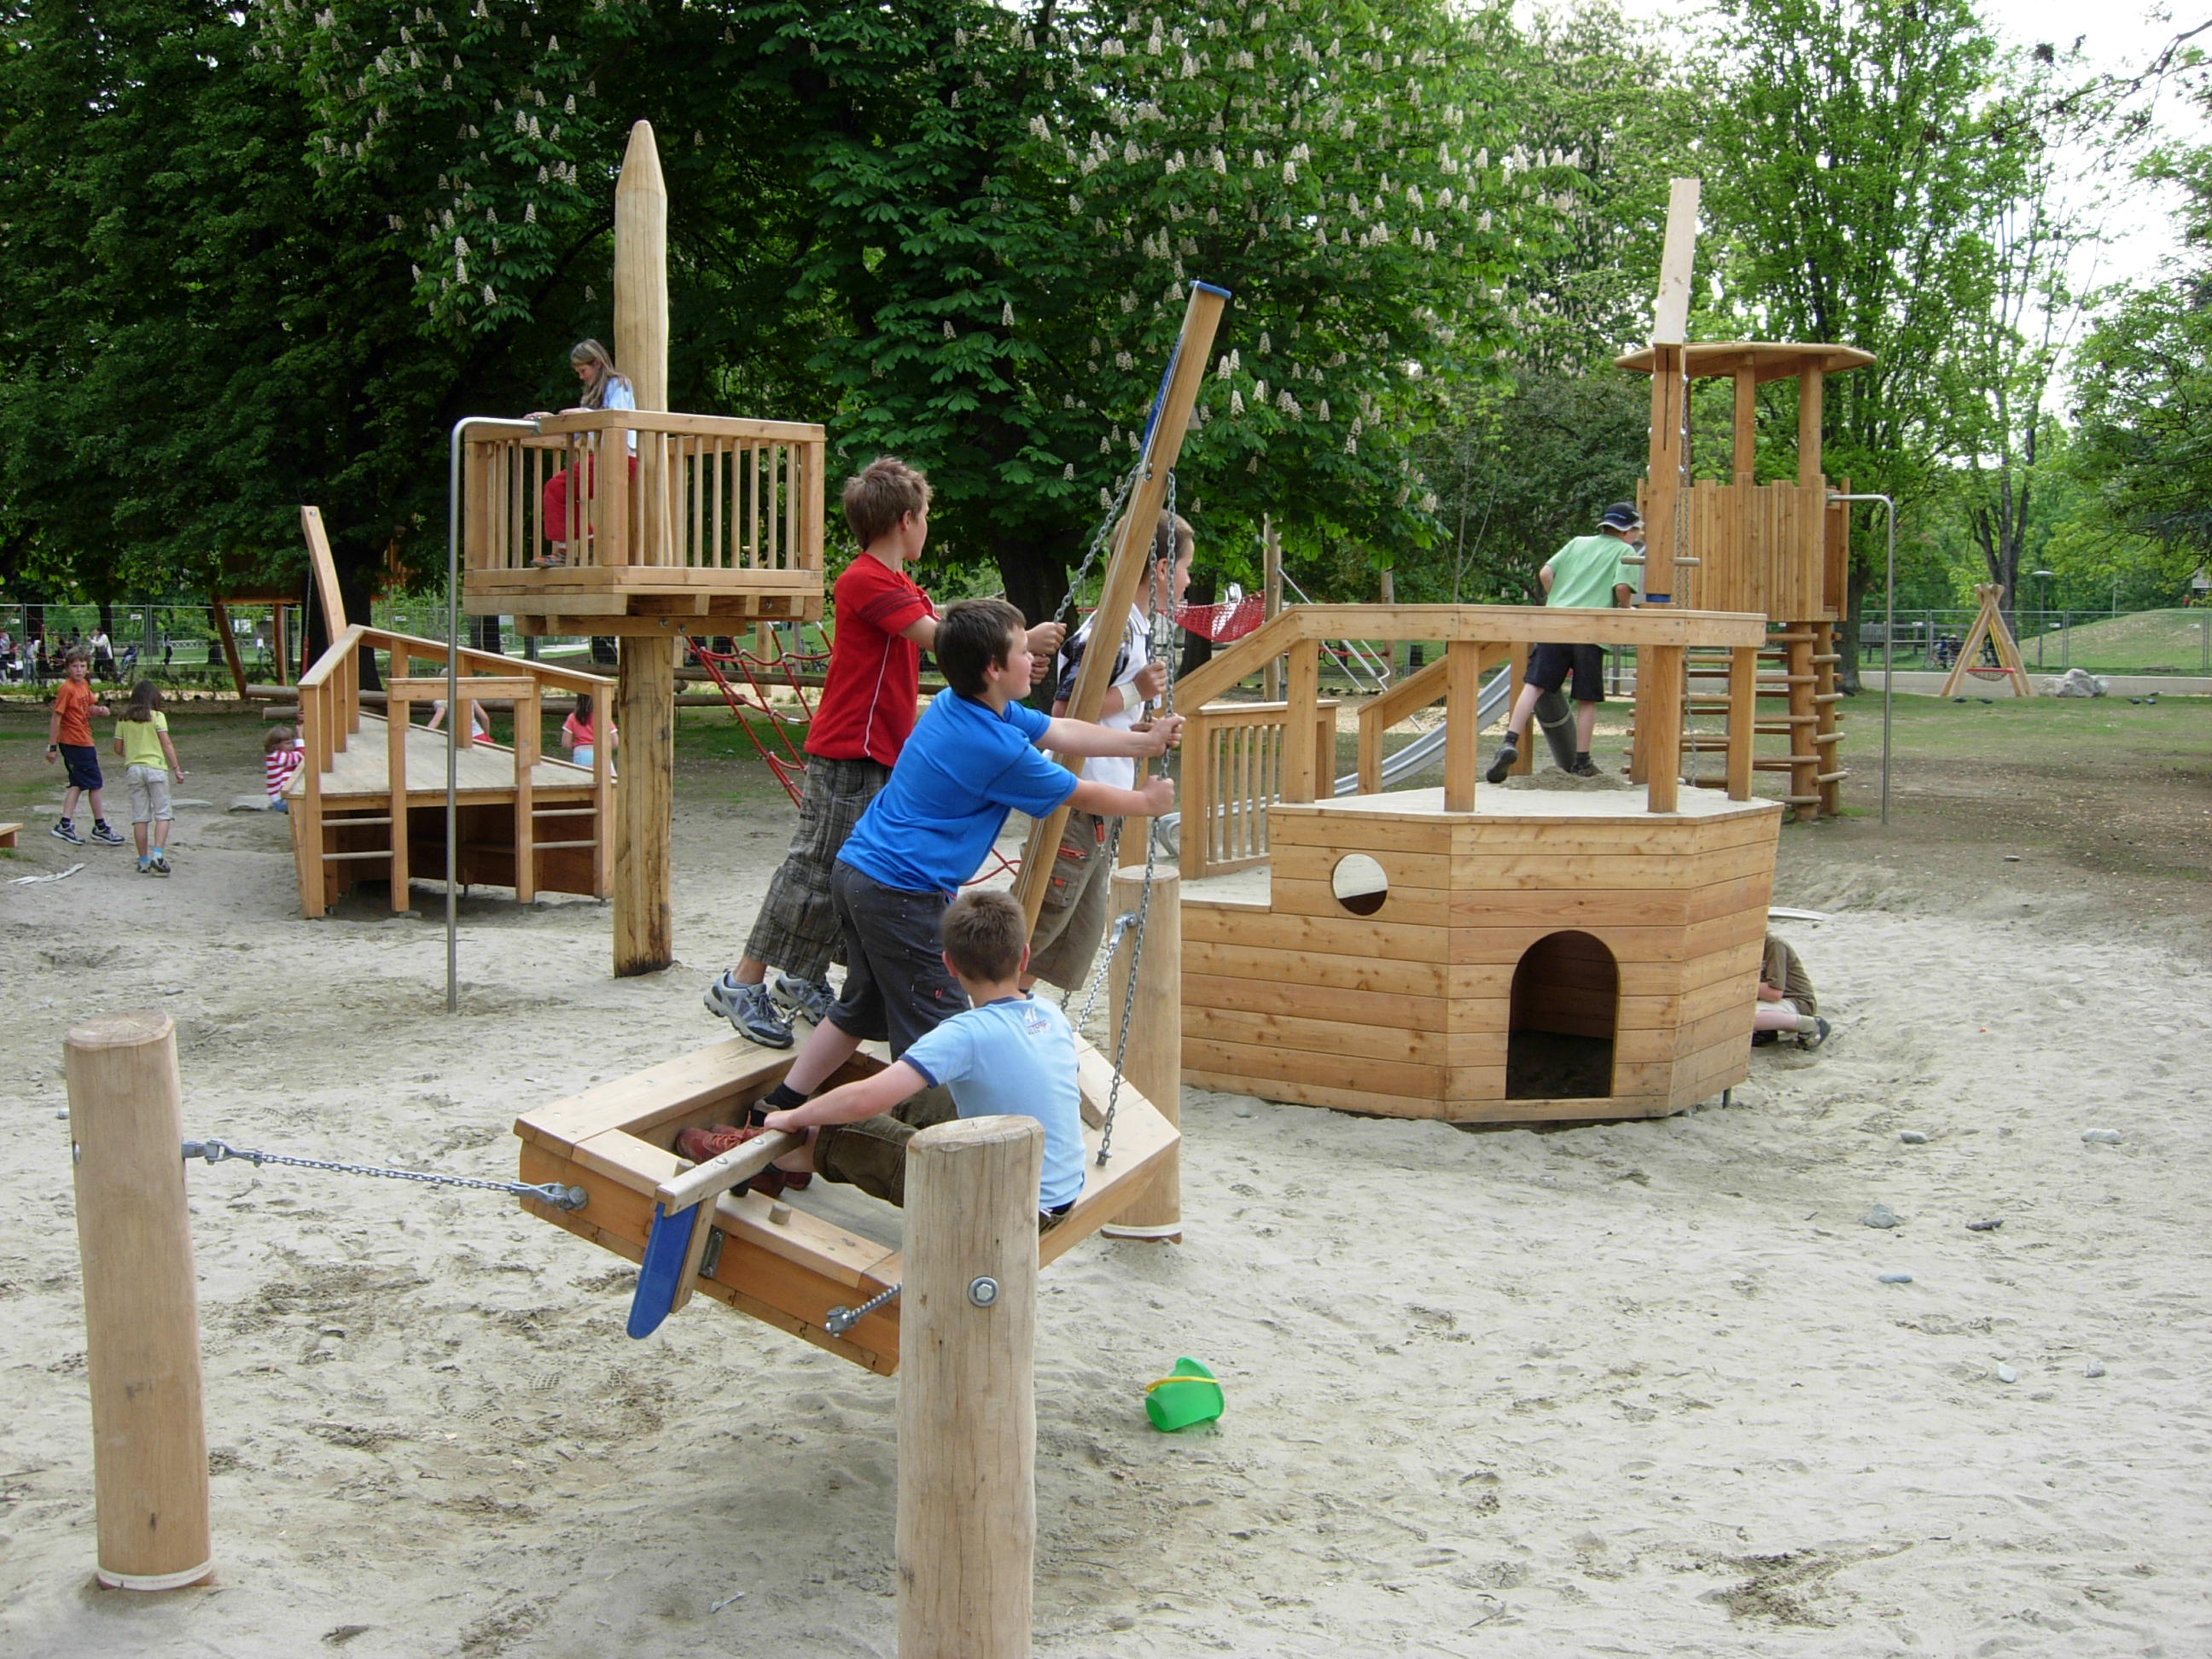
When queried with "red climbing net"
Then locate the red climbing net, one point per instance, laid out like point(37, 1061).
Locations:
point(1231, 619)
point(789, 669)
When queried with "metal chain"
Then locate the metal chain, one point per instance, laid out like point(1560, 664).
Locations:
point(838, 1321)
point(1151, 844)
point(553, 1192)
point(1098, 540)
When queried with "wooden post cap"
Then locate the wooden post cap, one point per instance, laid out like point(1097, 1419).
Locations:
point(132, 1029)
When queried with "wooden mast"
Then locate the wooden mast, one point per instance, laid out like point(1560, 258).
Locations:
point(1125, 569)
point(1659, 708)
point(645, 692)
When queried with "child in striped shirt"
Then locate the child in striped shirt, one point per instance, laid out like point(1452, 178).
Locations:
point(281, 756)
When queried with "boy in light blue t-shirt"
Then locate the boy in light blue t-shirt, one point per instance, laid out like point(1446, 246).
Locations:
point(1008, 1053)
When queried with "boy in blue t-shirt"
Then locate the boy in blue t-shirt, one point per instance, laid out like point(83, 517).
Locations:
point(974, 755)
point(1007, 1053)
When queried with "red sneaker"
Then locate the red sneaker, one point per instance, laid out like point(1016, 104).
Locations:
point(712, 1141)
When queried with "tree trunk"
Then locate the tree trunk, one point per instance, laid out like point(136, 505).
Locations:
point(1856, 579)
point(1196, 648)
point(1034, 577)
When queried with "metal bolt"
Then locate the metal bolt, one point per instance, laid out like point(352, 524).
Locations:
point(983, 1291)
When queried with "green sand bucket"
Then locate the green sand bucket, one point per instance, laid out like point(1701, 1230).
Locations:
point(1188, 1394)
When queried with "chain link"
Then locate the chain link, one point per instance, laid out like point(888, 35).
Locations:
point(560, 1197)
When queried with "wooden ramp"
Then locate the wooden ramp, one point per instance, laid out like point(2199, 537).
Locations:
point(524, 821)
point(773, 1259)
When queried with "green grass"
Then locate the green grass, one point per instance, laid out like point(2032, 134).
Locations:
point(2033, 730)
point(2151, 642)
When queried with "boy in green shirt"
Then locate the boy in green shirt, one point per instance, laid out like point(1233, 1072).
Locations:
point(1586, 575)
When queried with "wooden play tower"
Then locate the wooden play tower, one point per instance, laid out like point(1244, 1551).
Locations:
point(684, 525)
point(1780, 548)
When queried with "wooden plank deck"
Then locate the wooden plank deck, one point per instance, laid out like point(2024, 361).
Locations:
point(486, 769)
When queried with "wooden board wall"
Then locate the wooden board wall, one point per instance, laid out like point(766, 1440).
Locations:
point(1408, 1011)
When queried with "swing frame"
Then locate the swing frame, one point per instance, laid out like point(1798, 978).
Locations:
point(1990, 627)
point(772, 1259)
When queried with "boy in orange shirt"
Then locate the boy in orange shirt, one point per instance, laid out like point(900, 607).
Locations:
point(68, 740)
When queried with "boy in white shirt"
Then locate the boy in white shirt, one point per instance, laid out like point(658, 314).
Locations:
point(1072, 917)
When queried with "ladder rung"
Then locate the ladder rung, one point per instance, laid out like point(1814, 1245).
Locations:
point(1827, 737)
point(1801, 800)
point(1828, 656)
point(338, 858)
point(565, 811)
point(1789, 639)
point(550, 846)
point(1827, 697)
point(1834, 777)
point(329, 821)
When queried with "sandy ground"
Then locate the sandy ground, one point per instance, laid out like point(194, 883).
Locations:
point(1621, 1389)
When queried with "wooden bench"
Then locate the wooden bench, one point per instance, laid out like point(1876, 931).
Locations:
point(8, 834)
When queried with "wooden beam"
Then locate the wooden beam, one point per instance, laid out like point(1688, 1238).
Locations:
point(1670, 311)
point(1132, 555)
point(1151, 1046)
point(645, 709)
point(1743, 702)
point(325, 569)
point(1808, 429)
point(1659, 698)
point(149, 1462)
point(1271, 599)
point(966, 1536)
point(1301, 760)
point(229, 645)
point(1463, 677)
point(1746, 427)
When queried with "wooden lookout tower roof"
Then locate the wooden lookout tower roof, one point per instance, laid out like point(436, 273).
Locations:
point(1764, 360)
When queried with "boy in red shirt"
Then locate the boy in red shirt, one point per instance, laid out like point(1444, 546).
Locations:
point(68, 740)
point(884, 622)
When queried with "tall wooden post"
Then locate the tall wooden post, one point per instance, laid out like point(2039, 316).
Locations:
point(1271, 600)
point(645, 684)
point(967, 1409)
point(1152, 1052)
point(149, 1466)
point(1130, 558)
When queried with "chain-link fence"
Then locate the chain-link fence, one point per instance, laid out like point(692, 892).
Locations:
point(2052, 641)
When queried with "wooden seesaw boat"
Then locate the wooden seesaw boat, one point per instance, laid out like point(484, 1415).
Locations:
point(772, 1259)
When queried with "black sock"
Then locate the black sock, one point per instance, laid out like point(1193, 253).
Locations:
point(1581, 755)
point(1512, 740)
point(781, 1098)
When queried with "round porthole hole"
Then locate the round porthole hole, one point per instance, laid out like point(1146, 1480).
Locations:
point(1359, 884)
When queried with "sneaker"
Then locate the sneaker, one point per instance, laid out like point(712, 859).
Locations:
point(812, 999)
point(146, 867)
point(161, 863)
point(1584, 767)
point(715, 1139)
point(66, 831)
point(1818, 1036)
point(748, 1008)
point(1508, 753)
point(106, 835)
point(703, 1144)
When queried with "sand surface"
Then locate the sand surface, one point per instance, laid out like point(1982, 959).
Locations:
point(1621, 1389)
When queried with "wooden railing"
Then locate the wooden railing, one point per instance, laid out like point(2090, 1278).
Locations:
point(698, 493)
point(331, 715)
point(1232, 772)
point(1470, 634)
